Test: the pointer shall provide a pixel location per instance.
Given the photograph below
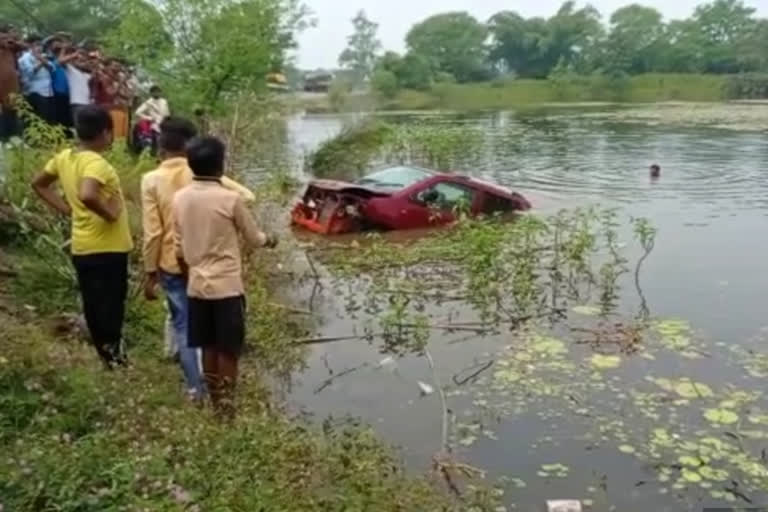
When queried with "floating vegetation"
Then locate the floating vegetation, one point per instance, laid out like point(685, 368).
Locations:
point(570, 363)
point(554, 471)
point(605, 362)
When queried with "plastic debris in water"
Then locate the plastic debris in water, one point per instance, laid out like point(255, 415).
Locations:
point(564, 506)
point(426, 389)
point(387, 361)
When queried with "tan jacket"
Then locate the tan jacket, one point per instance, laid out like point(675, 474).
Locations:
point(158, 189)
point(209, 219)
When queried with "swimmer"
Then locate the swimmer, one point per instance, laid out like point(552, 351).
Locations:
point(655, 171)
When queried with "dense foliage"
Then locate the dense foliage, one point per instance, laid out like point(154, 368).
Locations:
point(83, 18)
point(723, 36)
point(203, 52)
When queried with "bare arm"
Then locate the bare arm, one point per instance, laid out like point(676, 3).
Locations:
point(43, 186)
point(90, 195)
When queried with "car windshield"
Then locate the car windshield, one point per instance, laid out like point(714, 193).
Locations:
point(394, 178)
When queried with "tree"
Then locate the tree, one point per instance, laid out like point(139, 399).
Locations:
point(452, 43)
point(533, 47)
point(202, 51)
point(636, 40)
point(385, 83)
point(362, 48)
point(723, 27)
point(571, 35)
point(412, 71)
point(83, 18)
point(520, 44)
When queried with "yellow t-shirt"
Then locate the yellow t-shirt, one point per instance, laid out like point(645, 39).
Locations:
point(91, 234)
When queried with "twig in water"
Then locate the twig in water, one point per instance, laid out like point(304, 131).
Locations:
point(480, 368)
point(329, 381)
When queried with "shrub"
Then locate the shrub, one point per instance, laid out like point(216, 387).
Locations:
point(385, 84)
point(746, 86)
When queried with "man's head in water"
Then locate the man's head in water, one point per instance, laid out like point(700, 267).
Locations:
point(175, 132)
point(655, 171)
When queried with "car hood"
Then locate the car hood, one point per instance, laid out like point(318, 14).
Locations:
point(345, 186)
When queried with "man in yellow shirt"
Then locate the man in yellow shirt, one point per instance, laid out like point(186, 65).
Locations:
point(101, 237)
point(158, 189)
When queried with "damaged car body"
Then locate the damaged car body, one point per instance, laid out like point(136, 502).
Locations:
point(401, 197)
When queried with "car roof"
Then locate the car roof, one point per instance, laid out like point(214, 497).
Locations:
point(485, 186)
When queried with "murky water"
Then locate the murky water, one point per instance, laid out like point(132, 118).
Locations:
point(709, 267)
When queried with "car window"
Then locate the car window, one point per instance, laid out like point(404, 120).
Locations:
point(394, 178)
point(495, 204)
point(447, 196)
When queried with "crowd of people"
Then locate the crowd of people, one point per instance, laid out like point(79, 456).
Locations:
point(193, 221)
point(57, 78)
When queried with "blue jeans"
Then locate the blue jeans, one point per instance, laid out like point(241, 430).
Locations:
point(176, 293)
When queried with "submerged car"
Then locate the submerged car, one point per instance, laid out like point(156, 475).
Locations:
point(400, 197)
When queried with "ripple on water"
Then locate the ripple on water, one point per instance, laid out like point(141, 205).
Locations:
point(723, 169)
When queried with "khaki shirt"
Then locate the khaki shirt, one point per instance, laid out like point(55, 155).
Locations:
point(158, 188)
point(208, 219)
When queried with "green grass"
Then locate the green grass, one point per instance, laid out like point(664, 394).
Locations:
point(77, 438)
point(498, 95)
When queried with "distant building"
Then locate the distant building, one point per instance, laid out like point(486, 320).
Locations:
point(318, 81)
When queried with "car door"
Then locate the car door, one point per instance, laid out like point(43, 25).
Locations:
point(438, 203)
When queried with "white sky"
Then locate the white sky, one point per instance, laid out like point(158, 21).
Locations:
point(320, 47)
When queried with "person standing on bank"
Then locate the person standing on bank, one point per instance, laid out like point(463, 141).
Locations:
point(10, 47)
point(208, 219)
point(78, 70)
point(158, 189)
point(101, 238)
point(60, 110)
point(36, 83)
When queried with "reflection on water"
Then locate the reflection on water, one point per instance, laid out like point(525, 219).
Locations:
point(708, 267)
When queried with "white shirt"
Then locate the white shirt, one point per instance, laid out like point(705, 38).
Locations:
point(154, 110)
point(79, 86)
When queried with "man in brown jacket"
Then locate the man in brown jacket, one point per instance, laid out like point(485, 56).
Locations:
point(209, 220)
point(10, 47)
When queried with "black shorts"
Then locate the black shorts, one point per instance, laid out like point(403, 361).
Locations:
point(218, 324)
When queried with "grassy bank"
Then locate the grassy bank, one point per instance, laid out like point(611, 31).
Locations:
point(76, 438)
point(502, 94)
point(498, 95)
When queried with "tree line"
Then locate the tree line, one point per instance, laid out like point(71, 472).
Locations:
point(722, 36)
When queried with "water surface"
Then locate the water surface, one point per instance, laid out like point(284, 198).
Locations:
point(708, 268)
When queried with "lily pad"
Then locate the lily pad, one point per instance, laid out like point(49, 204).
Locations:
point(691, 476)
point(687, 460)
point(625, 448)
point(605, 362)
point(716, 475)
point(548, 346)
point(686, 388)
point(721, 416)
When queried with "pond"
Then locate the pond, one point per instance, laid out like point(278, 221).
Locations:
point(677, 426)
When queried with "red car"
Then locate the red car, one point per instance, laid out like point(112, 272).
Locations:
point(400, 198)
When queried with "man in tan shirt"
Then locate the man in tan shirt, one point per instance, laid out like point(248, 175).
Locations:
point(158, 189)
point(209, 220)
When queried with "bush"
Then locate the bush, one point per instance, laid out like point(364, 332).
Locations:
point(385, 83)
point(750, 86)
point(338, 94)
